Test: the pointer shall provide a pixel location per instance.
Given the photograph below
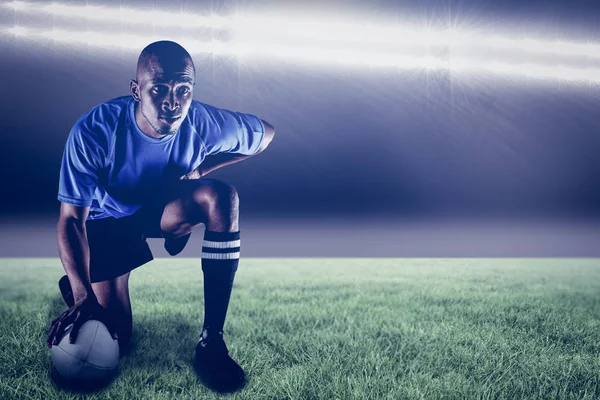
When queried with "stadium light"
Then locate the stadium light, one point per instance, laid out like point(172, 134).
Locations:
point(305, 32)
point(16, 31)
point(123, 15)
point(323, 55)
point(17, 5)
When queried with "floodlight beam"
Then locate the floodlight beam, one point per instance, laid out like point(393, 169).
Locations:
point(295, 30)
point(328, 56)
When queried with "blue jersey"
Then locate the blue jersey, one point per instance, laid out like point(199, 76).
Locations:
point(111, 166)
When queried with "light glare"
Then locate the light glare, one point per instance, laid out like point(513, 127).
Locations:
point(17, 31)
point(17, 5)
point(327, 56)
point(308, 32)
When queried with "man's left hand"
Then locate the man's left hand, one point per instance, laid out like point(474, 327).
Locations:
point(195, 174)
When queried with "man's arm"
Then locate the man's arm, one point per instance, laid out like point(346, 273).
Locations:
point(74, 250)
point(217, 161)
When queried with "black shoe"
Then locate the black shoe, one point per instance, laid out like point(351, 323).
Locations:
point(215, 368)
point(176, 245)
point(65, 289)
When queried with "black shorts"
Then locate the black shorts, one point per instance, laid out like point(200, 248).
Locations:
point(118, 245)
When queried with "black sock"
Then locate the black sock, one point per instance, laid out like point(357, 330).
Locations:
point(220, 257)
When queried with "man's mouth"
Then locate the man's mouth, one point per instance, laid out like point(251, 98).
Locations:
point(170, 120)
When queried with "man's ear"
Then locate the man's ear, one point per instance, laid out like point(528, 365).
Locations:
point(135, 90)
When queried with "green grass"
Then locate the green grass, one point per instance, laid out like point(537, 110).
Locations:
point(336, 329)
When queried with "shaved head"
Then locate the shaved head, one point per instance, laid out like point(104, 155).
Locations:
point(170, 56)
point(163, 88)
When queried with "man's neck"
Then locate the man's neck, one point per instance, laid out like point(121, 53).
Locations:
point(143, 124)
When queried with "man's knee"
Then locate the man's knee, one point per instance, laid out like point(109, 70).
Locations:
point(209, 201)
point(217, 197)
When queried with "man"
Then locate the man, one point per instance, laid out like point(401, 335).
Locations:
point(132, 168)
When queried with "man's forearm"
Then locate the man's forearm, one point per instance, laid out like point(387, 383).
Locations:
point(219, 160)
point(74, 252)
point(212, 163)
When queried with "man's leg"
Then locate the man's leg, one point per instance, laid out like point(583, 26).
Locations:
point(214, 204)
point(113, 294)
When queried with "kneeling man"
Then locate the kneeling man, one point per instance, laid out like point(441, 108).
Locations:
point(134, 168)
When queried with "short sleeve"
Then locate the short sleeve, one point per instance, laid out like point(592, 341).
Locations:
point(232, 132)
point(80, 165)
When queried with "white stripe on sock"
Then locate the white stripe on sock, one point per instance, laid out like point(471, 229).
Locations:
point(221, 245)
point(221, 256)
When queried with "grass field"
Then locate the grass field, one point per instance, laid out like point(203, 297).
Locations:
point(336, 329)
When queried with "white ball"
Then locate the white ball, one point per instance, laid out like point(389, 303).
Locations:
point(93, 356)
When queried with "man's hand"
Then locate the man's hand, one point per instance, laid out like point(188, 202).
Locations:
point(195, 174)
point(82, 311)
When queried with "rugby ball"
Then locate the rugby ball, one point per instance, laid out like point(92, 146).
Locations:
point(93, 357)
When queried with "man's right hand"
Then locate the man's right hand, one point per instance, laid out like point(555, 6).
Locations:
point(82, 311)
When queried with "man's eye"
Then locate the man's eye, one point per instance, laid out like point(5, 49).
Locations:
point(158, 89)
point(184, 90)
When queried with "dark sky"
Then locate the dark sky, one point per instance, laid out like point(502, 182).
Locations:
point(349, 140)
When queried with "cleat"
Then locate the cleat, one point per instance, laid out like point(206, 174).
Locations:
point(215, 368)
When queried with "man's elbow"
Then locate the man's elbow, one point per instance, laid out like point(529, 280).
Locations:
point(67, 224)
point(269, 134)
point(72, 215)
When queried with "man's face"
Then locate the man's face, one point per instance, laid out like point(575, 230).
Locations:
point(164, 91)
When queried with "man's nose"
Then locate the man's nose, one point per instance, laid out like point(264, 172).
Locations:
point(170, 103)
